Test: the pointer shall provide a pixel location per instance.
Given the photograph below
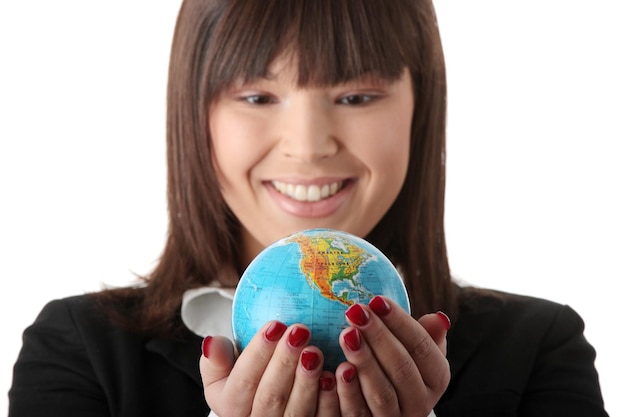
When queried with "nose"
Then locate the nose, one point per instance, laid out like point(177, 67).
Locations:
point(307, 129)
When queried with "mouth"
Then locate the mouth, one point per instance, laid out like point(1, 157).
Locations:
point(310, 193)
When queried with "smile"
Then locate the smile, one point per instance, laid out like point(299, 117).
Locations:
point(310, 193)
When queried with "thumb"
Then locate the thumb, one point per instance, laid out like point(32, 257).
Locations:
point(216, 362)
point(437, 325)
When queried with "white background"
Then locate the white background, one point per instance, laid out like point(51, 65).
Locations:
point(536, 156)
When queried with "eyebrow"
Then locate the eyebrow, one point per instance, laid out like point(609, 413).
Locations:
point(269, 76)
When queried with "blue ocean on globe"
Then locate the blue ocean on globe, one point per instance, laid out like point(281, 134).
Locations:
point(312, 277)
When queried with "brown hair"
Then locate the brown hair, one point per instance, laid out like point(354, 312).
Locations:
point(217, 42)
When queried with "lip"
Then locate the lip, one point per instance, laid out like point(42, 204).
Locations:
point(306, 209)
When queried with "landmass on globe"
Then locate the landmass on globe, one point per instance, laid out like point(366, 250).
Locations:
point(331, 266)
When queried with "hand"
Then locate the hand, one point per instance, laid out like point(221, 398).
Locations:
point(396, 365)
point(277, 374)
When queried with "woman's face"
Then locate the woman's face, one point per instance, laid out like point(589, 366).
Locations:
point(291, 158)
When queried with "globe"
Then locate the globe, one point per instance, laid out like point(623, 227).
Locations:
point(312, 277)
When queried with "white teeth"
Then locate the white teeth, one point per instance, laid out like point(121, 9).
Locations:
point(300, 193)
point(325, 191)
point(311, 193)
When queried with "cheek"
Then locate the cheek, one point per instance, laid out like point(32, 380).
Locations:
point(221, 156)
point(236, 143)
point(384, 143)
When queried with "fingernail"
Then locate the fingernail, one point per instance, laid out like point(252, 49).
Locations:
point(348, 375)
point(275, 331)
point(352, 339)
point(326, 384)
point(309, 360)
point(444, 319)
point(298, 337)
point(379, 306)
point(358, 315)
point(206, 343)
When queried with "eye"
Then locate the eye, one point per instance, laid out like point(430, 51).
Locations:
point(258, 99)
point(356, 99)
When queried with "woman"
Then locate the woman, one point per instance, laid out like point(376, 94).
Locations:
point(340, 95)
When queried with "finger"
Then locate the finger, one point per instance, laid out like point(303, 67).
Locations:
point(216, 363)
point(328, 401)
point(437, 326)
point(307, 384)
point(278, 377)
point(427, 354)
point(304, 392)
point(241, 387)
point(378, 391)
point(351, 401)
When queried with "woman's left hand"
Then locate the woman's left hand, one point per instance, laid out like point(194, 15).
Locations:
point(396, 365)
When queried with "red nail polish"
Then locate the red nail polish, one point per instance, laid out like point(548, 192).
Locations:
point(309, 360)
point(298, 337)
point(206, 343)
point(357, 315)
point(326, 384)
point(275, 331)
point(444, 319)
point(352, 339)
point(348, 375)
point(380, 306)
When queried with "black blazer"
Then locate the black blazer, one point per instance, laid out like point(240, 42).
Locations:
point(509, 356)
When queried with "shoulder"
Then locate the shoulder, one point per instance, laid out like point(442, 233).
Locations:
point(497, 325)
point(78, 311)
point(515, 309)
point(75, 357)
point(65, 313)
point(509, 352)
point(85, 323)
point(80, 323)
point(517, 333)
point(78, 306)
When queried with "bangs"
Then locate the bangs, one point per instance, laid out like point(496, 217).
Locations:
point(333, 41)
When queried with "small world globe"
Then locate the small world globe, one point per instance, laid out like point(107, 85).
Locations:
point(312, 277)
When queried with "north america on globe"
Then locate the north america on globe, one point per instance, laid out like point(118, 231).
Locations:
point(331, 264)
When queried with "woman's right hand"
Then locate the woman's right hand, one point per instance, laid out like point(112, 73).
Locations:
point(277, 374)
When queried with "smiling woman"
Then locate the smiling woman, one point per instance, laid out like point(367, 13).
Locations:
point(532, 206)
